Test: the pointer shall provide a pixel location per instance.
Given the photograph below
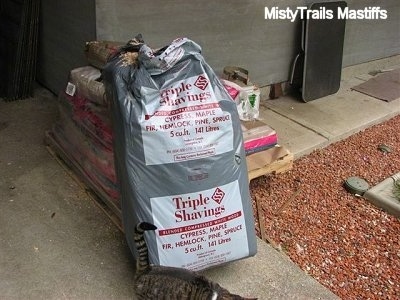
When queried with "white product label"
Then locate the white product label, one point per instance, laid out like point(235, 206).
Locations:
point(184, 122)
point(70, 89)
point(202, 229)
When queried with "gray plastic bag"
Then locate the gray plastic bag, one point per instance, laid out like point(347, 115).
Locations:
point(180, 158)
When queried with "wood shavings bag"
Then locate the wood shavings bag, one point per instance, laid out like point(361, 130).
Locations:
point(180, 158)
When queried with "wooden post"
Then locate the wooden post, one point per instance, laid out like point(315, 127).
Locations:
point(276, 91)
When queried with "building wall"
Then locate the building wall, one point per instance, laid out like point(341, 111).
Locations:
point(234, 32)
point(64, 28)
point(231, 32)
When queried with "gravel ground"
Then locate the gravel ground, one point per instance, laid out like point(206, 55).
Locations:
point(347, 244)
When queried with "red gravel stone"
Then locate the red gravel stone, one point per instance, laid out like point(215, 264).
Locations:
point(343, 241)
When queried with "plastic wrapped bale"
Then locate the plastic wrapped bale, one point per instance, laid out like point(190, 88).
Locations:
point(98, 52)
point(87, 83)
point(180, 157)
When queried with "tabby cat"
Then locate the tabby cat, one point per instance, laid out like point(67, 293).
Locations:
point(169, 283)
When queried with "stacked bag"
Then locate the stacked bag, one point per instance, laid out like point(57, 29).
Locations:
point(84, 130)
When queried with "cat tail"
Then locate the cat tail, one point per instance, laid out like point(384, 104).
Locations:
point(142, 261)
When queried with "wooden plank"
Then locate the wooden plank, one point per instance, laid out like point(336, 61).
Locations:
point(274, 160)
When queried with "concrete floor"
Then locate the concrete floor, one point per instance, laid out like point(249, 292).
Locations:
point(55, 243)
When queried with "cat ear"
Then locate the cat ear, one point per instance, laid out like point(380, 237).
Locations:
point(147, 226)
